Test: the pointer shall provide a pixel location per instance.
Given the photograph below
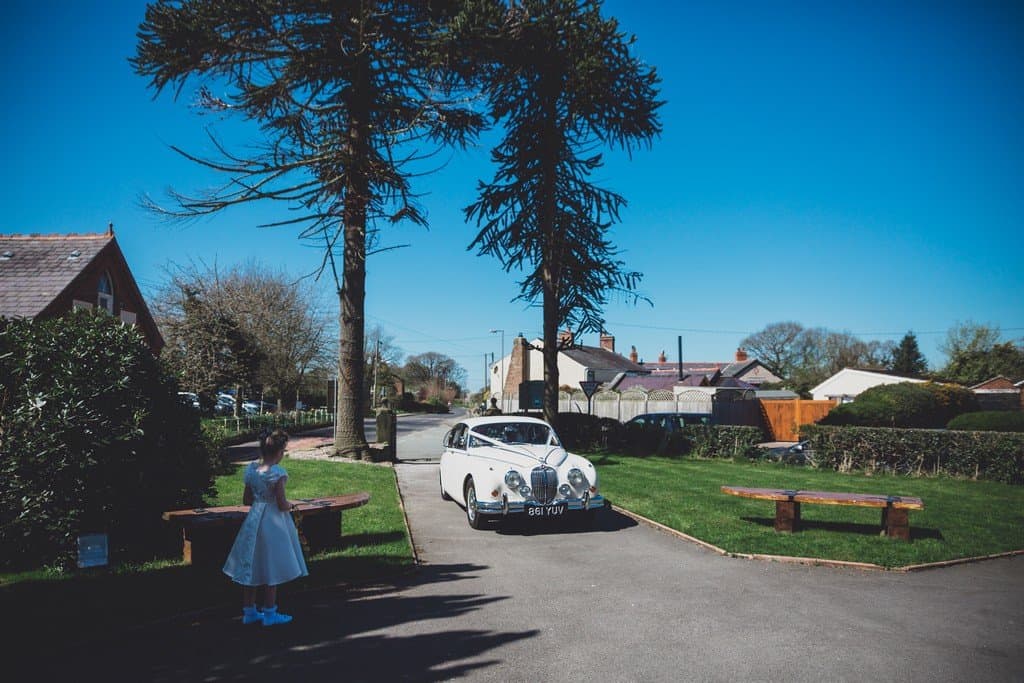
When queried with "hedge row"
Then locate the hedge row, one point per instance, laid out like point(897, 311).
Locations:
point(996, 456)
point(93, 438)
point(589, 433)
point(222, 437)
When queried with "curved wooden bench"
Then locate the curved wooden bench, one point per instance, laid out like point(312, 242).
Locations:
point(895, 518)
point(207, 533)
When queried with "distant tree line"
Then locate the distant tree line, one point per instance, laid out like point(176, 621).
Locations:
point(805, 357)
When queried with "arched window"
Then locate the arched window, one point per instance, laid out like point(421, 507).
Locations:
point(105, 294)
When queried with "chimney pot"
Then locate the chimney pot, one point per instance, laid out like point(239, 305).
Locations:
point(662, 359)
point(607, 342)
point(632, 354)
point(741, 355)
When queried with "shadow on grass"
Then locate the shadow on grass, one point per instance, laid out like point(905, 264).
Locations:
point(848, 527)
point(357, 634)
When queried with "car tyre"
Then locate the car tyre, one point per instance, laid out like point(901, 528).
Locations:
point(473, 516)
point(444, 494)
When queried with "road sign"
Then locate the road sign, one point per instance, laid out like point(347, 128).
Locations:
point(589, 388)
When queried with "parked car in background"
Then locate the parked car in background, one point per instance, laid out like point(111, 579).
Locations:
point(258, 407)
point(502, 465)
point(670, 422)
point(189, 399)
point(225, 405)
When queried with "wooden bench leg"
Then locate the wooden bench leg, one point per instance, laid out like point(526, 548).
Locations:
point(787, 516)
point(207, 547)
point(322, 530)
point(896, 523)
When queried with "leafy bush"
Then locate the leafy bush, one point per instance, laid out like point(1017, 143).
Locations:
point(906, 404)
point(979, 455)
point(578, 432)
point(989, 421)
point(94, 438)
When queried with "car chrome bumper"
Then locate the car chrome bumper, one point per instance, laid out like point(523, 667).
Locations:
point(511, 507)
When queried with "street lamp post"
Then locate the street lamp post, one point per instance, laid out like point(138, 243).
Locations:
point(502, 333)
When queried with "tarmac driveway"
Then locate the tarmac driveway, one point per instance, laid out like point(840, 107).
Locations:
point(627, 603)
point(622, 602)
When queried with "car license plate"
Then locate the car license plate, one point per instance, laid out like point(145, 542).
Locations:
point(545, 510)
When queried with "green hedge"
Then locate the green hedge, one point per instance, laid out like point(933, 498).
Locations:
point(981, 455)
point(229, 431)
point(589, 433)
point(906, 404)
point(989, 421)
point(94, 439)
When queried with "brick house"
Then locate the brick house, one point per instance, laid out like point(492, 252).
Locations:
point(45, 276)
point(576, 362)
point(999, 393)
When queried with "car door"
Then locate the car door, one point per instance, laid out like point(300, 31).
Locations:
point(454, 463)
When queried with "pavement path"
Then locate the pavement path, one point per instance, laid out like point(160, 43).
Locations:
point(622, 602)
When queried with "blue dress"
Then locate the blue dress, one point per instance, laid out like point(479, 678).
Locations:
point(267, 551)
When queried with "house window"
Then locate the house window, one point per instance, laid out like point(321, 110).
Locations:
point(105, 294)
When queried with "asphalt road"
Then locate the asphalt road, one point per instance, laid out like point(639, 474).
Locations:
point(622, 602)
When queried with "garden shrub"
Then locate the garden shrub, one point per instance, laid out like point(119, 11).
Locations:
point(906, 404)
point(996, 456)
point(94, 438)
point(578, 432)
point(989, 421)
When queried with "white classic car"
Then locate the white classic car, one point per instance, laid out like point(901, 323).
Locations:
point(507, 465)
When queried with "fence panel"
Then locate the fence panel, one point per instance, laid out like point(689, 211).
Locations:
point(784, 417)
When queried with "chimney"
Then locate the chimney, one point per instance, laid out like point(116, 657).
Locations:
point(565, 339)
point(607, 342)
point(741, 355)
point(661, 358)
point(518, 367)
point(632, 354)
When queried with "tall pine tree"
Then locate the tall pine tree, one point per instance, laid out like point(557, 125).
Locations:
point(563, 81)
point(341, 92)
point(907, 358)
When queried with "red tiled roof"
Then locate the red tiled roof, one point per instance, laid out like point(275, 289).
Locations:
point(35, 269)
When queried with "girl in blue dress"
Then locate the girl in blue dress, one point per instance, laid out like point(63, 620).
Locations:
point(267, 551)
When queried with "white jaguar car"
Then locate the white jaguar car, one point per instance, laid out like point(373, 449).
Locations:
point(511, 465)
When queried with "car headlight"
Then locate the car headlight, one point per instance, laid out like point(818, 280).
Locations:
point(576, 477)
point(513, 479)
point(565, 490)
point(525, 491)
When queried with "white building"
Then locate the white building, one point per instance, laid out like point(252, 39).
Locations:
point(848, 383)
point(576, 363)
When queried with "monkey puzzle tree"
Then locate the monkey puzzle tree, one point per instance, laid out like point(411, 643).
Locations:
point(564, 82)
point(340, 91)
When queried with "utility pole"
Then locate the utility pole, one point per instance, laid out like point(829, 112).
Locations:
point(376, 362)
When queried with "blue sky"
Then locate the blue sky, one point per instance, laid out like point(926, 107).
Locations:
point(851, 165)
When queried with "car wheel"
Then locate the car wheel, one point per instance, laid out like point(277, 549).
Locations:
point(473, 516)
point(444, 494)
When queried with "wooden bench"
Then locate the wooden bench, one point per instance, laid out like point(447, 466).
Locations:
point(208, 533)
point(895, 518)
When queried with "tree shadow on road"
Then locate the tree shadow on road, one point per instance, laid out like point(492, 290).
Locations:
point(344, 633)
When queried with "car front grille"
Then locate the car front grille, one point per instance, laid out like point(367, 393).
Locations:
point(544, 481)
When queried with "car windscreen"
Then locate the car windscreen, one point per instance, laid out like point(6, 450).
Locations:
point(517, 432)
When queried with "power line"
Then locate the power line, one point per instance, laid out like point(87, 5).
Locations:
point(747, 333)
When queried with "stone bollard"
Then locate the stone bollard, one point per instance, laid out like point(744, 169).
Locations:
point(387, 432)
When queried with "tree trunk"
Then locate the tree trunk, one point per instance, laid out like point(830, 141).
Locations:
point(550, 261)
point(350, 436)
point(550, 354)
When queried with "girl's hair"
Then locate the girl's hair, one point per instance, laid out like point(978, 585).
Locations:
point(273, 443)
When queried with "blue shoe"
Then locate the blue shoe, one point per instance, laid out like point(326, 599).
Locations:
point(252, 615)
point(271, 617)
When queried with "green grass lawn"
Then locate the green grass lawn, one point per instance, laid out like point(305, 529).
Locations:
point(78, 606)
point(961, 518)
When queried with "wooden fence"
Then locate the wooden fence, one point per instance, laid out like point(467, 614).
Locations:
point(783, 418)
